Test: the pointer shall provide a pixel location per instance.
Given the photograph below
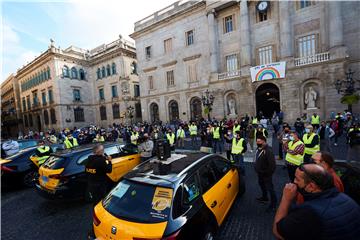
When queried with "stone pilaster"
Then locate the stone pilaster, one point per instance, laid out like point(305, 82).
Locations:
point(213, 42)
point(245, 52)
point(285, 30)
point(337, 49)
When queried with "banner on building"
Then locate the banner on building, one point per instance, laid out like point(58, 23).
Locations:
point(268, 71)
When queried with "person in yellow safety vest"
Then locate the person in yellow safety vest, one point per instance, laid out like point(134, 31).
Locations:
point(294, 149)
point(312, 143)
point(42, 152)
point(254, 121)
point(315, 121)
point(99, 138)
point(238, 148)
point(170, 136)
point(217, 139)
point(236, 127)
point(70, 141)
point(193, 134)
point(134, 137)
point(180, 135)
point(260, 130)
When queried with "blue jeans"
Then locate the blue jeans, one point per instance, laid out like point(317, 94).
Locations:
point(238, 160)
point(216, 143)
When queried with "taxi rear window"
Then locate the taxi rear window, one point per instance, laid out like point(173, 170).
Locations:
point(138, 202)
point(55, 162)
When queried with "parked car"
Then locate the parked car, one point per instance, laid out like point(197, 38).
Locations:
point(185, 197)
point(63, 176)
point(350, 176)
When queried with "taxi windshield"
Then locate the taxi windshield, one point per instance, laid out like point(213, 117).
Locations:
point(139, 202)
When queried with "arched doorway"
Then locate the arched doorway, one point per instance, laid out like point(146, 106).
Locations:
point(267, 100)
point(195, 108)
point(154, 112)
point(173, 111)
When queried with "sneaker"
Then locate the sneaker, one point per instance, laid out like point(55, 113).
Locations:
point(262, 199)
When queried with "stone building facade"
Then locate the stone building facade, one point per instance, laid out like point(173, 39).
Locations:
point(10, 110)
point(61, 87)
point(191, 46)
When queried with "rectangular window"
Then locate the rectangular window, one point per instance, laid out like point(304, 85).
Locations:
point(304, 4)
point(167, 45)
point(76, 95)
point(231, 63)
point(307, 45)
point(136, 90)
point(262, 16)
point(265, 55)
point(170, 78)
point(151, 82)
point(228, 24)
point(35, 99)
point(192, 74)
point(116, 111)
point(101, 94)
point(137, 110)
point(103, 113)
point(50, 93)
point(28, 102)
point(79, 115)
point(189, 38)
point(114, 92)
point(148, 52)
point(43, 96)
point(24, 104)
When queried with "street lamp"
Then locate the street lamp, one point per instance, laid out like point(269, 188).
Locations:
point(208, 101)
point(130, 112)
point(347, 87)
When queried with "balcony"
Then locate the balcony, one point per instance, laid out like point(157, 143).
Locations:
point(229, 75)
point(317, 58)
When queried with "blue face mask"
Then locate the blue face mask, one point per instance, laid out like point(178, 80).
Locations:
point(307, 130)
point(291, 138)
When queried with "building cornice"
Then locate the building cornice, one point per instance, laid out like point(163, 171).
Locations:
point(149, 69)
point(168, 64)
point(191, 57)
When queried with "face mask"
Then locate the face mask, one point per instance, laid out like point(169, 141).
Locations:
point(291, 138)
point(259, 145)
point(307, 130)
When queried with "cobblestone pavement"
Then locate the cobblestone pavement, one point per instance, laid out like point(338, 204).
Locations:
point(25, 215)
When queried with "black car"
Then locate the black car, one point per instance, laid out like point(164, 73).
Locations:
point(18, 168)
point(63, 176)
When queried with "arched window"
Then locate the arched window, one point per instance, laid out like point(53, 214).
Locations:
point(108, 72)
point(195, 108)
point(74, 73)
point(98, 73)
point(46, 117)
point(133, 68)
point(53, 116)
point(82, 74)
point(154, 112)
point(103, 113)
point(113, 68)
point(66, 72)
point(116, 111)
point(103, 72)
point(173, 111)
point(79, 114)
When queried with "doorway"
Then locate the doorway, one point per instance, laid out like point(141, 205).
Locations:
point(267, 100)
point(38, 122)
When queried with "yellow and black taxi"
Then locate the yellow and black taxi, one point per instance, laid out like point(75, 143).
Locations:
point(187, 196)
point(63, 176)
point(19, 169)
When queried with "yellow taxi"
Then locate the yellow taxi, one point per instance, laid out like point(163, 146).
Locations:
point(187, 196)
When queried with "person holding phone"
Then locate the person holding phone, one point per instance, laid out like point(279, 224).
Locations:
point(96, 167)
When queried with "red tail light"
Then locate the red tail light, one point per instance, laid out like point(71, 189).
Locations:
point(171, 237)
point(8, 168)
point(96, 220)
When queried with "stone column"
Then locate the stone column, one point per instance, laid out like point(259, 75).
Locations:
point(285, 29)
point(213, 42)
point(335, 24)
point(245, 52)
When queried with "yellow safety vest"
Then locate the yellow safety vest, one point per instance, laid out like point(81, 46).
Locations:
point(42, 159)
point(237, 146)
point(180, 133)
point(308, 140)
point(135, 137)
point(72, 144)
point(294, 159)
point(193, 130)
point(170, 138)
point(235, 129)
point(216, 133)
point(255, 121)
point(315, 120)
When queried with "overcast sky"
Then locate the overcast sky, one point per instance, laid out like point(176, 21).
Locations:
point(27, 26)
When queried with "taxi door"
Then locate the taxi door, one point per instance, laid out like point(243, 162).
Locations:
point(214, 192)
point(119, 163)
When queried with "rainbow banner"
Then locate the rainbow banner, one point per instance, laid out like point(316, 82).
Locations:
point(268, 71)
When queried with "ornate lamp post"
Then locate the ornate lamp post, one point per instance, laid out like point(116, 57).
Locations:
point(130, 112)
point(208, 101)
point(347, 87)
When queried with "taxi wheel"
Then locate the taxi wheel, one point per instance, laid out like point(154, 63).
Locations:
point(209, 235)
point(30, 178)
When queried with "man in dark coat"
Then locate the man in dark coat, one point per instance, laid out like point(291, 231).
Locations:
point(265, 167)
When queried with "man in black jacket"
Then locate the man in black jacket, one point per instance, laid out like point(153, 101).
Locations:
point(97, 166)
point(265, 168)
